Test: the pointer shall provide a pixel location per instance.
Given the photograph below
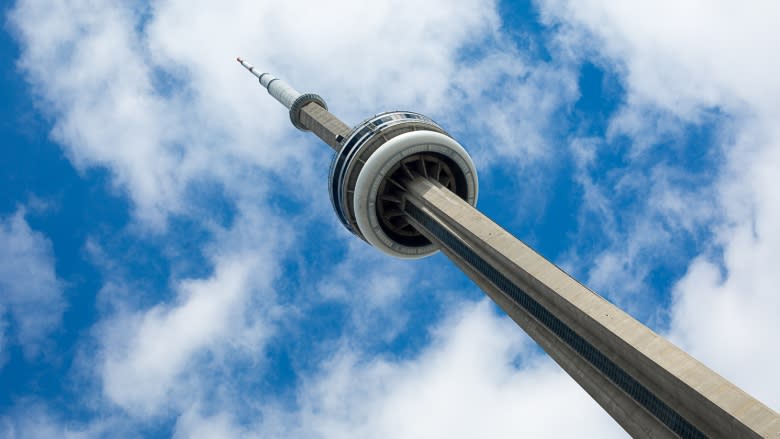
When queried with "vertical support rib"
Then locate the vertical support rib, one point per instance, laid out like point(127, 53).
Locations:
point(651, 387)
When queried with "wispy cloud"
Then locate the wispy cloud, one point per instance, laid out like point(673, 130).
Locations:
point(31, 295)
point(685, 63)
point(479, 376)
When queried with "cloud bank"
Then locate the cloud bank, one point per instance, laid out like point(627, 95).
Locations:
point(31, 302)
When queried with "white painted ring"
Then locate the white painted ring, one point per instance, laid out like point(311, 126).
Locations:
point(381, 162)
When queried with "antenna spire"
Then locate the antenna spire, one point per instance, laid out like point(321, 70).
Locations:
point(280, 90)
point(283, 92)
point(249, 67)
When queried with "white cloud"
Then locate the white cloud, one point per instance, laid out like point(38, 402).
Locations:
point(35, 423)
point(153, 94)
point(479, 377)
point(373, 288)
point(147, 352)
point(193, 424)
point(28, 420)
point(512, 103)
point(686, 59)
point(31, 302)
point(467, 374)
point(644, 213)
point(686, 56)
point(725, 309)
point(101, 71)
point(161, 357)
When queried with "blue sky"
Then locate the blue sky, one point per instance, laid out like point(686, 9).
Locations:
point(170, 264)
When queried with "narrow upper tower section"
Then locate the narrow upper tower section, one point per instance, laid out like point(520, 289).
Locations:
point(283, 92)
point(280, 90)
point(374, 161)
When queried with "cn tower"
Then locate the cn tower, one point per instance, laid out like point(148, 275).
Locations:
point(402, 184)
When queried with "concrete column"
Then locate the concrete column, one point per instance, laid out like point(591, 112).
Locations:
point(324, 124)
point(651, 387)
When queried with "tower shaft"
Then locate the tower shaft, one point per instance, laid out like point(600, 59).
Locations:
point(648, 385)
point(402, 184)
point(324, 124)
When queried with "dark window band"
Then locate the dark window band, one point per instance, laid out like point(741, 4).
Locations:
point(665, 414)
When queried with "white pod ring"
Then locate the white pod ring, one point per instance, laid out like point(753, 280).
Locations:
point(420, 149)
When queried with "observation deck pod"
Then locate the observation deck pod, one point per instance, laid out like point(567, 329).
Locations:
point(369, 173)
